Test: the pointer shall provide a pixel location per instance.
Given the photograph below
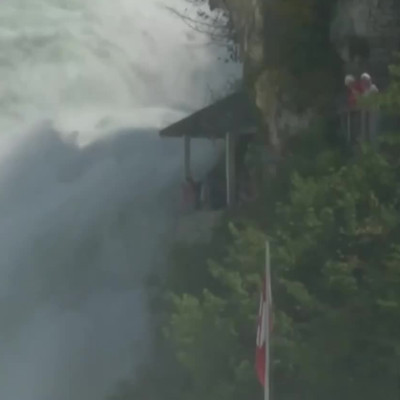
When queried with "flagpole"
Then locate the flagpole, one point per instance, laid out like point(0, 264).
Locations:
point(267, 319)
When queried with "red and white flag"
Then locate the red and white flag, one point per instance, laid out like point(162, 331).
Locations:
point(264, 328)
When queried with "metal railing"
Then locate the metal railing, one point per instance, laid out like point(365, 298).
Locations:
point(360, 125)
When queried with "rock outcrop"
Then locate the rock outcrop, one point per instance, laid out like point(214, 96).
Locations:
point(366, 34)
point(361, 34)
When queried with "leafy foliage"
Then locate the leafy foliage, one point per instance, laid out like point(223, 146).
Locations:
point(336, 277)
point(334, 226)
point(214, 22)
point(335, 235)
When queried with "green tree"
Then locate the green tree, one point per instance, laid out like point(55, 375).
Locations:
point(336, 287)
point(334, 227)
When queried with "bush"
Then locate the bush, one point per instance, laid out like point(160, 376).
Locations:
point(336, 282)
point(334, 226)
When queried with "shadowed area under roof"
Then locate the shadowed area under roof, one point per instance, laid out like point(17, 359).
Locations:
point(234, 113)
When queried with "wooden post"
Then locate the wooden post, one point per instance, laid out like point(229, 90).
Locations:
point(363, 116)
point(187, 156)
point(347, 116)
point(230, 169)
point(268, 319)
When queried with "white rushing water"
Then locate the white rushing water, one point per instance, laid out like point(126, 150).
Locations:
point(87, 200)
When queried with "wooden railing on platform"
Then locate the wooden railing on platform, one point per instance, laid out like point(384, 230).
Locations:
point(359, 125)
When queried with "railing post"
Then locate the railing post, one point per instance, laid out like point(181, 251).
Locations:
point(363, 116)
point(374, 126)
point(187, 156)
point(230, 169)
point(348, 126)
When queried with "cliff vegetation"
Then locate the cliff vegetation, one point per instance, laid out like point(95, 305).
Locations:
point(334, 226)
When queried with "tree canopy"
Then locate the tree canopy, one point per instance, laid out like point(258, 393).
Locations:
point(334, 227)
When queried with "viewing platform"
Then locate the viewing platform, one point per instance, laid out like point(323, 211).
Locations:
point(232, 119)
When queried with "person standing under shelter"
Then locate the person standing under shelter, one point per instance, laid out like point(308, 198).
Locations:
point(188, 195)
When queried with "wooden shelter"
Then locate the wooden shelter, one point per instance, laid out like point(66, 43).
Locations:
point(227, 119)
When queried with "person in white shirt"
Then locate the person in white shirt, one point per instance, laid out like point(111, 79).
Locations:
point(368, 86)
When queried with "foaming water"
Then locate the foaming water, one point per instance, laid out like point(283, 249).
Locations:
point(76, 60)
point(88, 202)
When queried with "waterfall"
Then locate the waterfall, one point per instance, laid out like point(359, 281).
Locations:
point(87, 188)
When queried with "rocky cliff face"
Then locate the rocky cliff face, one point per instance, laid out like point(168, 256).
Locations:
point(362, 33)
point(366, 33)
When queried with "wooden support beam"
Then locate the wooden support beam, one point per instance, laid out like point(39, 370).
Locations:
point(363, 126)
point(188, 172)
point(230, 169)
point(348, 128)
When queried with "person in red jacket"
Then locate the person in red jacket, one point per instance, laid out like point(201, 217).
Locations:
point(354, 90)
point(353, 120)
